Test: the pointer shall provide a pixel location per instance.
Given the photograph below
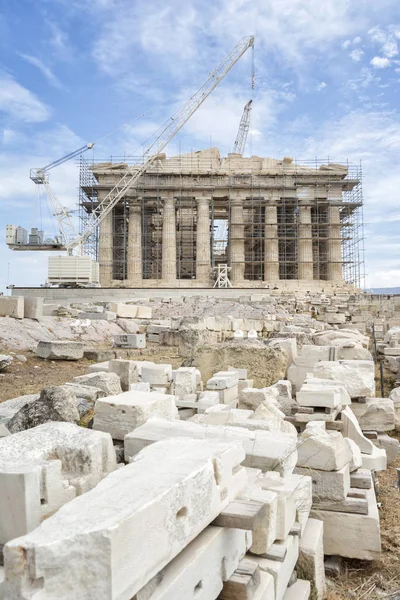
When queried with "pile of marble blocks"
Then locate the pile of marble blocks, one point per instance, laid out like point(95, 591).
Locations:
point(185, 519)
point(320, 400)
point(343, 493)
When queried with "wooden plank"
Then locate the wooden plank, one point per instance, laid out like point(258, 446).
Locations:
point(242, 514)
point(334, 425)
point(361, 479)
point(350, 505)
point(244, 582)
point(355, 493)
point(275, 552)
point(295, 529)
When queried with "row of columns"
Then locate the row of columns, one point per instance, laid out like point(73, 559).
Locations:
point(203, 241)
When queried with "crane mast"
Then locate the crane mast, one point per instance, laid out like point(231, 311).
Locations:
point(241, 138)
point(171, 128)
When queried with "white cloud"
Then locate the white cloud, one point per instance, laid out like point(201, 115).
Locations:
point(390, 49)
point(357, 40)
point(46, 71)
point(380, 62)
point(356, 54)
point(346, 44)
point(20, 103)
point(321, 86)
point(59, 42)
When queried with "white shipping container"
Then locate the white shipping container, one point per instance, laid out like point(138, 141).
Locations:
point(70, 269)
point(11, 234)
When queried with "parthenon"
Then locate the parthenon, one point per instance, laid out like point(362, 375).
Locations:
point(275, 223)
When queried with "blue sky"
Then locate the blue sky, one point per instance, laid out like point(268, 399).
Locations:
point(327, 84)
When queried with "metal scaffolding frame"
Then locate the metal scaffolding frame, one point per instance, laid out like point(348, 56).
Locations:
point(192, 173)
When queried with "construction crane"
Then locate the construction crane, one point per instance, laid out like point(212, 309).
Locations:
point(150, 155)
point(241, 138)
point(17, 237)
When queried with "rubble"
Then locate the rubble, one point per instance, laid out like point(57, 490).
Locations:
point(237, 471)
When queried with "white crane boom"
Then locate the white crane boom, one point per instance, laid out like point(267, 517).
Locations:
point(171, 128)
point(241, 138)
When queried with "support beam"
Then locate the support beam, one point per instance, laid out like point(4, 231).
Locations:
point(135, 244)
point(335, 260)
point(305, 244)
point(236, 239)
point(203, 249)
point(106, 242)
point(169, 241)
point(271, 244)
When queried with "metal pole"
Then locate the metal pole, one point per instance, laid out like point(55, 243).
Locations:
point(381, 373)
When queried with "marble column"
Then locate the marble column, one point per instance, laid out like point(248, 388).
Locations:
point(106, 244)
point(203, 250)
point(335, 259)
point(168, 263)
point(236, 239)
point(135, 243)
point(305, 251)
point(271, 244)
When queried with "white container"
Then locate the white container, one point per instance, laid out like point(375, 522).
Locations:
point(70, 270)
point(11, 234)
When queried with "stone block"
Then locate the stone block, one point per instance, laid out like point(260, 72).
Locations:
point(125, 311)
point(185, 381)
point(251, 398)
point(300, 590)
point(285, 488)
point(376, 460)
point(107, 382)
point(107, 315)
point(281, 571)
point(328, 485)
point(264, 450)
point(196, 572)
point(130, 340)
point(160, 374)
point(314, 396)
point(99, 367)
point(229, 395)
point(60, 350)
point(222, 381)
point(141, 386)
point(352, 535)
point(120, 415)
point(389, 444)
point(126, 371)
point(53, 404)
point(244, 383)
point(192, 481)
point(5, 361)
point(317, 383)
point(144, 312)
point(9, 408)
point(43, 468)
point(266, 532)
point(358, 376)
point(310, 564)
point(288, 345)
point(318, 449)
point(240, 373)
point(12, 306)
point(376, 414)
point(33, 308)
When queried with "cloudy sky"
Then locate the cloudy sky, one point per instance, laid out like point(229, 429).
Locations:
point(72, 71)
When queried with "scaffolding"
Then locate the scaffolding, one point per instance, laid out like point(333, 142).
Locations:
point(311, 216)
